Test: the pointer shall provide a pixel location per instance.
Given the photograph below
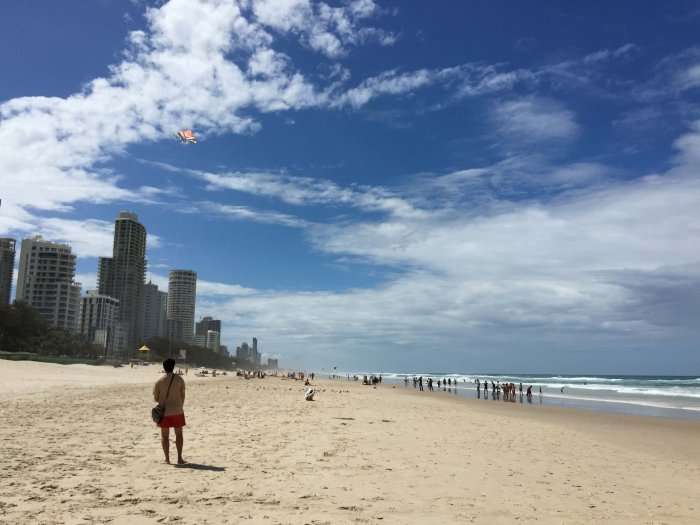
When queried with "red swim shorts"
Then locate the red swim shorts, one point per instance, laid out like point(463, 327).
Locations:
point(175, 420)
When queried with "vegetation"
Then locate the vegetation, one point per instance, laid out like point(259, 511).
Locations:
point(161, 348)
point(24, 331)
point(24, 334)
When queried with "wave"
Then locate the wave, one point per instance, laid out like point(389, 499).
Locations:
point(644, 386)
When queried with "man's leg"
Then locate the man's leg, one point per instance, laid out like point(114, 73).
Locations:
point(178, 443)
point(165, 442)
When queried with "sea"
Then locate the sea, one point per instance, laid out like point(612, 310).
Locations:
point(661, 396)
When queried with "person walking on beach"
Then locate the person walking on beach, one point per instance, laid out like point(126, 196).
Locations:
point(169, 391)
point(420, 383)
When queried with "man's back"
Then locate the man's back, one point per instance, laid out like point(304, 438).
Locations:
point(176, 397)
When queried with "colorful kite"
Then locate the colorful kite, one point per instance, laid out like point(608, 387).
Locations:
point(187, 136)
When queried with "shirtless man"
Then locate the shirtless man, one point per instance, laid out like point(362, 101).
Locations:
point(169, 391)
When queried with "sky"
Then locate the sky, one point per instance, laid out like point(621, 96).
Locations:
point(378, 185)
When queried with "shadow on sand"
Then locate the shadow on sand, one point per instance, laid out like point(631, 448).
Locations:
point(197, 466)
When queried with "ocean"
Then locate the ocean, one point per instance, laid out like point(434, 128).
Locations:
point(663, 396)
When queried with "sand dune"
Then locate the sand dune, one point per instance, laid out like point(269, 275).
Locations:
point(78, 453)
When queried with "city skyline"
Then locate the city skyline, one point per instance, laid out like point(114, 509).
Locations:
point(483, 186)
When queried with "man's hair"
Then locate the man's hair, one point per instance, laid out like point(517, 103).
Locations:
point(169, 365)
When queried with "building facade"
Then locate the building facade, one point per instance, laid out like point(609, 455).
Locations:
point(206, 324)
point(99, 321)
point(155, 312)
point(46, 282)
point(272, 364)
point(182, 293)
point(212, 340)
point(7, 266)
point(247, 356)
point(122, 276)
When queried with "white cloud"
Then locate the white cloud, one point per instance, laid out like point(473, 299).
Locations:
point(178, 72)
point(604, 55)
point(535, 119)
point(87, 237)
point(298, 190)
point(237, 212)
point(329, 30)
point(616, 266)
point(689, 78)
point(394, 83)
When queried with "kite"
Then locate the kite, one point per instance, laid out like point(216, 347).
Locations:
point(187, 136)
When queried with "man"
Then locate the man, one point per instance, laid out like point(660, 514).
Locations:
point(169, 391)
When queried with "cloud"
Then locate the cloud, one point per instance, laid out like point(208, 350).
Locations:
point(329, 30)
point(535, 119)
point(178, 72)
point(688, 78)
point(301, 191)
point(394, 83)
point(87, 237)
point(238, 212)
point(614, 265)
point(605, 55)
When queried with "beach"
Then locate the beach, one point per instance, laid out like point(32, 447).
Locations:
point(79, 447)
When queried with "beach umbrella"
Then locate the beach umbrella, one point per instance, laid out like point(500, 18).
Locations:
point(144, 348)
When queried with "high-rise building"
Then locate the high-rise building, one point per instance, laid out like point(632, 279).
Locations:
point(122, 276)
point(7, 266)
point(99, 321)
point(211, 340)
point(182, 292)
point(272, 364)
point(206, 324)
point(248, 355)
point(155, 312)
point(45, 282)
point(256, 354)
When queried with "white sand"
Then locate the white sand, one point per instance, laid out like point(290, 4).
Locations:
point(355, 455)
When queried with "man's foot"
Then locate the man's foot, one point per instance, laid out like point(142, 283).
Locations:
point(181, 461)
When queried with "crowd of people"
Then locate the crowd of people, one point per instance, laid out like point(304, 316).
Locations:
point(506, 390)
point(445, 384)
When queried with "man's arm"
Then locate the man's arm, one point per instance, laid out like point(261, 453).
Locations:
point(156, 397)
point(182, 389)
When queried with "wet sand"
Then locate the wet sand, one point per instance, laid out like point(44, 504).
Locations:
point(74, 452)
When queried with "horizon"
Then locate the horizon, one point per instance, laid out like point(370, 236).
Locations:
point(481, 186)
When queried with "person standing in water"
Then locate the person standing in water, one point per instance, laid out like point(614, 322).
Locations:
point(169, 391)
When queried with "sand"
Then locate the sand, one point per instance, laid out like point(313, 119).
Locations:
point(73, 452)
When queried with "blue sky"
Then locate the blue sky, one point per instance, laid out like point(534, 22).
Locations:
point(501, 186)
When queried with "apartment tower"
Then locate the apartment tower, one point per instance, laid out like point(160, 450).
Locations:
point(7, 266)
point(45, 282)
point(122, 276)
point(99, 321)
point(155, 312)
point(182, 291)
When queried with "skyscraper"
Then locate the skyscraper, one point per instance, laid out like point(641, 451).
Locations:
point(212, 340)
point(99, 320)
point(206, 324)
point(45, 282)
point(7, 266)
point(155, 312)
point(256, 354)
point(122, 276)
point(182, 291)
